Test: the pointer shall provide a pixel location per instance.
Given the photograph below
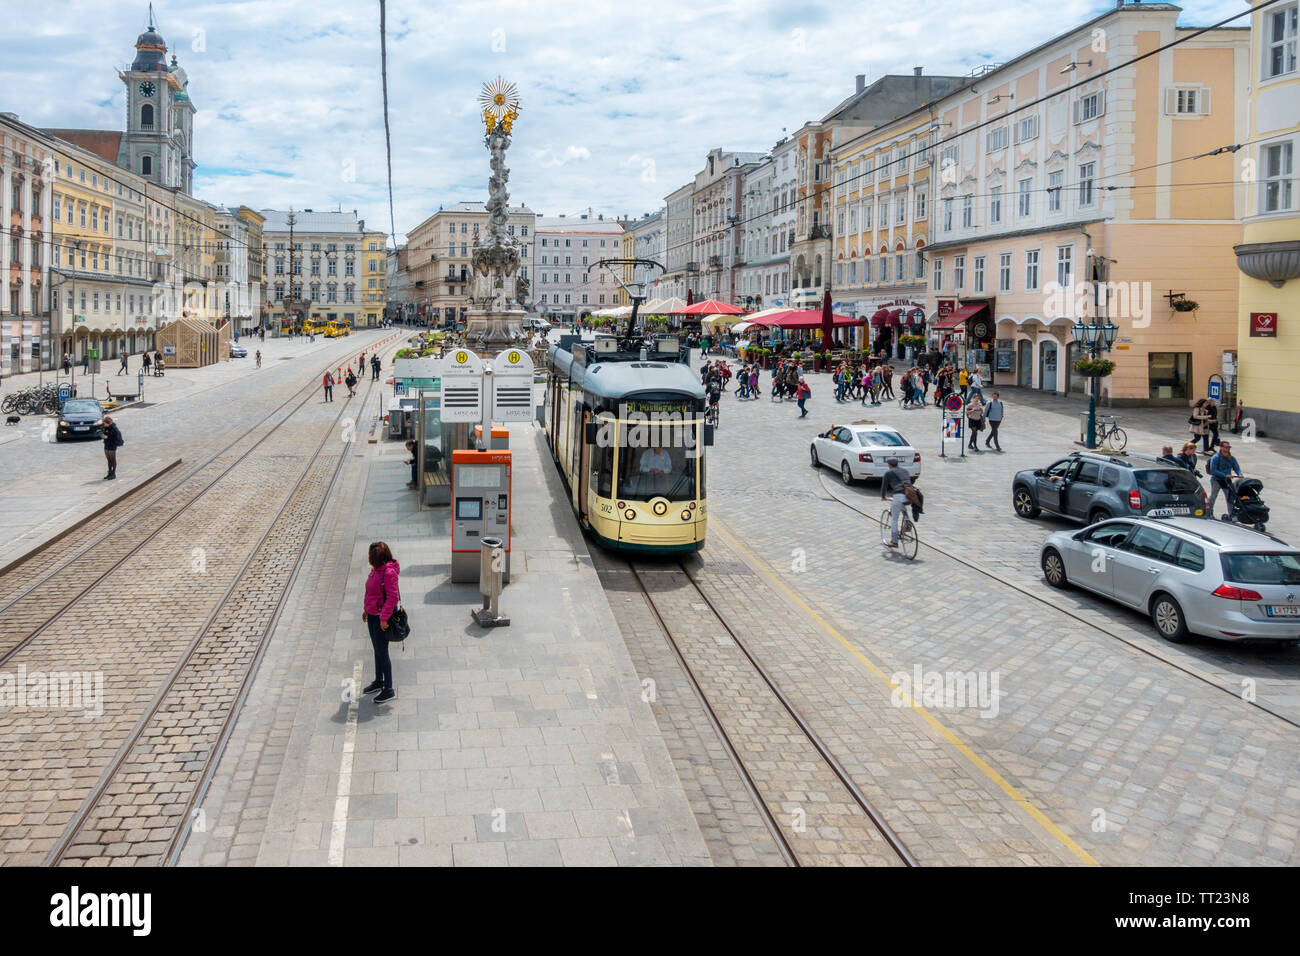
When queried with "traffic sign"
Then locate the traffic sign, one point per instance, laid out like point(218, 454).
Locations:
point(65, 393)
point(462, 387)
point(953, 403)
point(1216, 390)
point(512, 386)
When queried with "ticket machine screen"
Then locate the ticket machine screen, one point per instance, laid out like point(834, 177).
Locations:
point(469, 509)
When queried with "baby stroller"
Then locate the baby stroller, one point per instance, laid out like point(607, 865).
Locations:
point(1245, 506)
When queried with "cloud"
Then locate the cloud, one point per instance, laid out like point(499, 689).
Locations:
point(290, 102)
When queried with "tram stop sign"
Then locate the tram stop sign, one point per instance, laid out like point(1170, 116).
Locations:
point(462, 386)
point(65, 393)
point(512, 386)
point(1215, 390)
point(953, 404)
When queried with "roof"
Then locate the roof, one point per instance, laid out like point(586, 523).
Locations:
point(619, 379)
point(104, 143)
point(892, 96)
point(1220, 533)
point(308, 222)
point(577, 224)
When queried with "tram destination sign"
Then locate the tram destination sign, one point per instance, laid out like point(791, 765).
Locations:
point(651, 406)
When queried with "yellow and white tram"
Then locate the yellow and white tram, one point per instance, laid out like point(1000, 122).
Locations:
point(626, 429)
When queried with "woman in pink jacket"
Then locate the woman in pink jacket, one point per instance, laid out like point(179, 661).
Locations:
point(381, 599)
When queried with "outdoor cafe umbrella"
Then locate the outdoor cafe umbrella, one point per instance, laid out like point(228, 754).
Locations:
point(690, 296)
point(827, 319)
point(712, 307)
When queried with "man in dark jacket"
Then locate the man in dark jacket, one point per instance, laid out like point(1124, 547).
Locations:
point(112, 442)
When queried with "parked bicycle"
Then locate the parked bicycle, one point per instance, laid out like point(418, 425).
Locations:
point(1108, 431)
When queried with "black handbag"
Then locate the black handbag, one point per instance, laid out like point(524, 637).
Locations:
point(399, 626)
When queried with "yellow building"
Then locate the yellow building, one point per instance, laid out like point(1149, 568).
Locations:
point(1092, 203)
point(101, 254)
point(1268, 307)
point(374, 264)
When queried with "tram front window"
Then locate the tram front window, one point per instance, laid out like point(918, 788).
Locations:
point(657, 472)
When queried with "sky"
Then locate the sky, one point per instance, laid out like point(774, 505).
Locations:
point(620, 102)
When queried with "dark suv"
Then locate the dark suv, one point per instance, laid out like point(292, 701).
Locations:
point(1091, 487)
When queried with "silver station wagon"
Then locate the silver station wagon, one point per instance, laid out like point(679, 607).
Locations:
point(1190, 575)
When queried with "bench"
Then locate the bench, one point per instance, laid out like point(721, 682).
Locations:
point(437, 488)
point(124, 398)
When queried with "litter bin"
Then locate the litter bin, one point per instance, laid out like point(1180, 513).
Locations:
point(491, 566)
point(1083, 427)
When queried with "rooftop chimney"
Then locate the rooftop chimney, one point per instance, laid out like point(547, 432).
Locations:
point(916, 71)
point(861, 82)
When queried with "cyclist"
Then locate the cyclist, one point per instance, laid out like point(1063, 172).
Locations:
point(713, 393)
point(891, 490)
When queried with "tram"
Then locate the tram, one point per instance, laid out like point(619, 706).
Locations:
point(625, 423)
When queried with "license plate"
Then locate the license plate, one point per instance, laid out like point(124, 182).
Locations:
point(81, 428)
point(1282, 610)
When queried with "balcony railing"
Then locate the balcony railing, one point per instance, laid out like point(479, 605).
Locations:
point(692, 267)
point(820, 232)
point(715, 262)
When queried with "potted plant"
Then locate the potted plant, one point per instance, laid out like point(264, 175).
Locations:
point(1093, 367)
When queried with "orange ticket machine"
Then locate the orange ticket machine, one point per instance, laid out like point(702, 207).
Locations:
point(481, 504)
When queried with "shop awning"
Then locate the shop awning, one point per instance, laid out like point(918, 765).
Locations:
point(958, 317)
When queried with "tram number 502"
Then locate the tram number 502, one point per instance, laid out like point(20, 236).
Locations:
point(606, 508)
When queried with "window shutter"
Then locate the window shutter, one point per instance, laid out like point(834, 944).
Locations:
point(1171, 101)
point(1076, 106)
point(1203, 101)
point(1101, 102)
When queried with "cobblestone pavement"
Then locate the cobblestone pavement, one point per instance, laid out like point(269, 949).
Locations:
point(171, 630)
point(1136, 761)
point(190, 413)
point(526, 745)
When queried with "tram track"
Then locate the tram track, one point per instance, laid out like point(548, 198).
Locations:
point(197, 678)
point(1091, 622)
point(792, 760)
point(18, 633)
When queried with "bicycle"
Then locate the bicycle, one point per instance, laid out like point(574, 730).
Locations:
point(711, 415)
point(1110, 432)
point(909, 542)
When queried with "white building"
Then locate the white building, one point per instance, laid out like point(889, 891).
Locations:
point(716, 204)
point(679, 233)
point(768, 220)
point(568, 285)
point(650, 241)
point(25, 333)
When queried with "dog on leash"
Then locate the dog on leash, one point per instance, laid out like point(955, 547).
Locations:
point(12, 420)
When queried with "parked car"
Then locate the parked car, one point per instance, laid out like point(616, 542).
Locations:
point(238, 351)
point(861, 451)
point(1090, 487)
point(80, 418)
point(1190, 575)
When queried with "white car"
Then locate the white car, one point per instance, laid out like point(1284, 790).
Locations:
point(861, 451)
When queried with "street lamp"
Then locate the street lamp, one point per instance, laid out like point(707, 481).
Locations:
point(1097, 339)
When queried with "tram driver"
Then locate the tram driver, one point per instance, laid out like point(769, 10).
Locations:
point(656, 461)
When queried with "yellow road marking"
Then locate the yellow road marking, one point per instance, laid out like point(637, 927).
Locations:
point(1003, 784)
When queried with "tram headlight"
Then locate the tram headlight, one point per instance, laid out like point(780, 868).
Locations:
point(660, 508)
point(686, 515)
point(630, 515)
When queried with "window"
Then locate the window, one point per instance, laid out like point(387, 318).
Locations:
point(1031, 270)
point(884, 213)
point(1065, 266)
point(146, 116)
point(947, 215)
point(1004, 272)
point(1027, 128)
point(995, 204)
point(1089, 107)
point(1187, 102)
point(867, 208)
point(900, 207)
point(978, 273)
point(1280, 42)
point(898, 267)
point(1278, 180)
point(958, 272)
point(1054, 186)
point(866, 270)
point(996, 139)
point(920, 264)
point(920, 203)
point(938, 275)
point(1087, 172)
point(146, 165)
point(967, 211)
point(1024, 189)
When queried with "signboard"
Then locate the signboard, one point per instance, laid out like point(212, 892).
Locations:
point(512, 386)
point(952, 427)
point(65, 393)
point(953, 403)
point(1263, 325)
point(462, 386)
point(413, 368)
point(1215, 390)
point(946, 307)
point(169, 350)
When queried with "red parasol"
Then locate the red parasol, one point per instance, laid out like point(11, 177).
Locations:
point(711, 307)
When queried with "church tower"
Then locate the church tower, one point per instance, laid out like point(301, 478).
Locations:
point(159, 139)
